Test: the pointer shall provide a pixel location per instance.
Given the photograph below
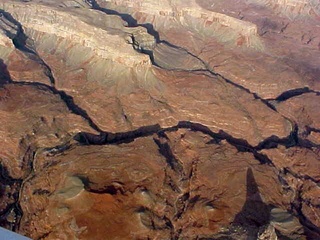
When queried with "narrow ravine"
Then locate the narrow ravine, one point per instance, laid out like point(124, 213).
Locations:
point(175, 174)
point(12, 203)
point(132, 22)
point(21, 41)
point(158, 133)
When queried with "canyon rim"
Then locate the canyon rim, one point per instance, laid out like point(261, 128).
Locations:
point(173, 119)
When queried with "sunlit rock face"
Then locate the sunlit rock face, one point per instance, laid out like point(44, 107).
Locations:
point(223, 32)
point(160, 119)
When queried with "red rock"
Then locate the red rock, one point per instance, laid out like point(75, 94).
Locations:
point(304, 110)
point(129, 190)
point(159, 120)
point(33, 118)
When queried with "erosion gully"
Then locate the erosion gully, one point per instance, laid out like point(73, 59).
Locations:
point(22, 43)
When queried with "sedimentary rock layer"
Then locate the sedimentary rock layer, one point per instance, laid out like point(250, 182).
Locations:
point(160, 120)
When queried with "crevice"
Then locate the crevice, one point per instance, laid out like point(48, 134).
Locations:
point(309, 227)
point(211, 71)
point(305, 143)
point(28, 162)
point(242, 145)
point(311, 129)
point(14, 207)
point(181, 205)
point(27, 166)
point(58, 149)
point(67, 99)
point(299, 176)
point(153, 221)
point(168, 181)
point(112, 189)
point(5, 78)
point(172, 161)
point(21, 41)
point(123, 113)
point(132, 22)
point(24, 44)
point(290, 94)
point(273, 141)
point(105, 138)
point(174, 179)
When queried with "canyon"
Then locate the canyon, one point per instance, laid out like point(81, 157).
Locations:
point(160, 119)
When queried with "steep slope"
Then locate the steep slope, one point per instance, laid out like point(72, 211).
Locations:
point(160, 120)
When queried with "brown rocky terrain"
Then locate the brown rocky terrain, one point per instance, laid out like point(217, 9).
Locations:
point(160, 119)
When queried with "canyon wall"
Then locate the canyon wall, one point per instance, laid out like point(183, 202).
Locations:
point(160, 120)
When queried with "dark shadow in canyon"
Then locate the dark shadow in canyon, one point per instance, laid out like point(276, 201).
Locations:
point(6, 181)
point(131, 21)
point(4, 74)
point(242, 145)
point(292, 93)
point(67, 99)
point(311, 230)
point(247, 216)
point(9, 190)
point(21, 41)
point(254, 213)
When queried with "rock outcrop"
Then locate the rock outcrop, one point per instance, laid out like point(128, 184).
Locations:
point(165, 189)
point(160, 120)
point(220, 34)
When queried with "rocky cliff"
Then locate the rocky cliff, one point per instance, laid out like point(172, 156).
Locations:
point(160, 120)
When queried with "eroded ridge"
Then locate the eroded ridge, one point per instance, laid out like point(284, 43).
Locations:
point(168, 149)
point(180, 159)
point(191, 16)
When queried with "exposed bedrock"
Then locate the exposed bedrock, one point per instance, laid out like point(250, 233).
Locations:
point(304, 110)
point(18, 55)
point(280, 67)
point(122, 82)
point(160, 120)
point(165, 189)
point(35, 118)
point(189, 15)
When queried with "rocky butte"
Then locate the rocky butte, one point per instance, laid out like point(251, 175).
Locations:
point(180, 119)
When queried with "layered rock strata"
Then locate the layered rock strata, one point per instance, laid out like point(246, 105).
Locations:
point(223, 47)
point(159, 120)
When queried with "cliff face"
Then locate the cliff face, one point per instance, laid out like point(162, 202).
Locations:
point(160, 120)
point(205, 27)
point(189, 15)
